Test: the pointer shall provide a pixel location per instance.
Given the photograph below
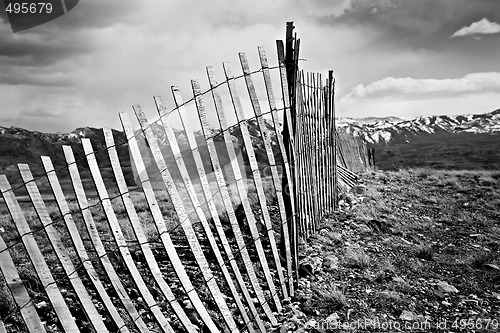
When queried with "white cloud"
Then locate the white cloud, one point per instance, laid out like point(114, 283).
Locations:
point(483, 27)
point(410, 108)
point(394, 87)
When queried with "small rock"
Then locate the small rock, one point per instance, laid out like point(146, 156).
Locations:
point(408, 316)
point(334, 317)
point(330, 262)
point(444, 287)
point(359, 189)
point(188, 305)
point(445, 303)
point(41, 305)
point(398, 279)
point(307, 310)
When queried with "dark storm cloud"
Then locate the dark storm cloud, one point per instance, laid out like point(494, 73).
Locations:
point(64, 39)
point(38, 51)
point(421, 23)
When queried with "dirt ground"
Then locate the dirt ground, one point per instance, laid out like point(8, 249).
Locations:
point(417, 252)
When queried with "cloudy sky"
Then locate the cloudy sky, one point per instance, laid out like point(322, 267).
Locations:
point(391, 57)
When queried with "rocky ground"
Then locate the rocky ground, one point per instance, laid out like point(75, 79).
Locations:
point(416, 251)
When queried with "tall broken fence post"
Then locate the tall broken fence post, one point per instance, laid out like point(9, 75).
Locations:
point(290, 61)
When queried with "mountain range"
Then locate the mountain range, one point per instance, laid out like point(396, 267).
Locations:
point(18, 145)
point(463, 141)
point(396, 130)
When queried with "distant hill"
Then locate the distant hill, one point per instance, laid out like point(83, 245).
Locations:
point(19, 145)
point(446, 142)
point(385, 131)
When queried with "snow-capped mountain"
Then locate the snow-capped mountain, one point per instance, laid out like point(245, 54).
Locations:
point(384, 131)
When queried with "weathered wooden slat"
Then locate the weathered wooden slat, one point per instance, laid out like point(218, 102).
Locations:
point(319, 146)
point(139, 233)
point(333, 129)
point(254, 166)
point(120, 239)
point(315, 131)
point(19, 292)
point(242, 247)
point(240, 184)
point(305, 152)
point(184, 219)
point(60, 250)
point(301, 177)
point(212, 207)
point(276, 179)
point(161, 226)
point(115, 280)
point(286, 112)
point(79, 246)
point(313, 154)
point(37, 259)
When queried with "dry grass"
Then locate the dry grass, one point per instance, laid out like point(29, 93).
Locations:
point(357, 258)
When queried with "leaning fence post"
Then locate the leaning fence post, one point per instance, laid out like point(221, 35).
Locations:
point(290, 61)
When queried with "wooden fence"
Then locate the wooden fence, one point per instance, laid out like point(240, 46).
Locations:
point(217, 250)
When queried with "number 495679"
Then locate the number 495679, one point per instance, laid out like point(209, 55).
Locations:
point(29, 8)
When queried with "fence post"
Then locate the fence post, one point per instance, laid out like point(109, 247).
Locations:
point(291, 66)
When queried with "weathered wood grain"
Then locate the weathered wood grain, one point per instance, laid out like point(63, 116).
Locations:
point(79, 246)
point(60, 250)
point(162, 228)
point(19, 292)
point(207, 192)
point(110, 271)
point(242, 247)
point(185, 221)
point(141, 236)
point(37, 259)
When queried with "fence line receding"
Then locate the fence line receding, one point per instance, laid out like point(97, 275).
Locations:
point(207, 238)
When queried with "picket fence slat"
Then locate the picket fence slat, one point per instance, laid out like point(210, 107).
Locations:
point(254, 167)
point(187, 123)
point(91, 227)
point(242, 247)
point(79, 246)
point(285, 236)
point(240, 184)
point(120, 239)
point(60, 249)
point(162, 228)
point(213, 211)
point(19, 292)
point(140, 234)
point(185, 221)
point(272, 164)
point(37, 259)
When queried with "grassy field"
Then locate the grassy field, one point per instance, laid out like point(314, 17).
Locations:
point(465, 151)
